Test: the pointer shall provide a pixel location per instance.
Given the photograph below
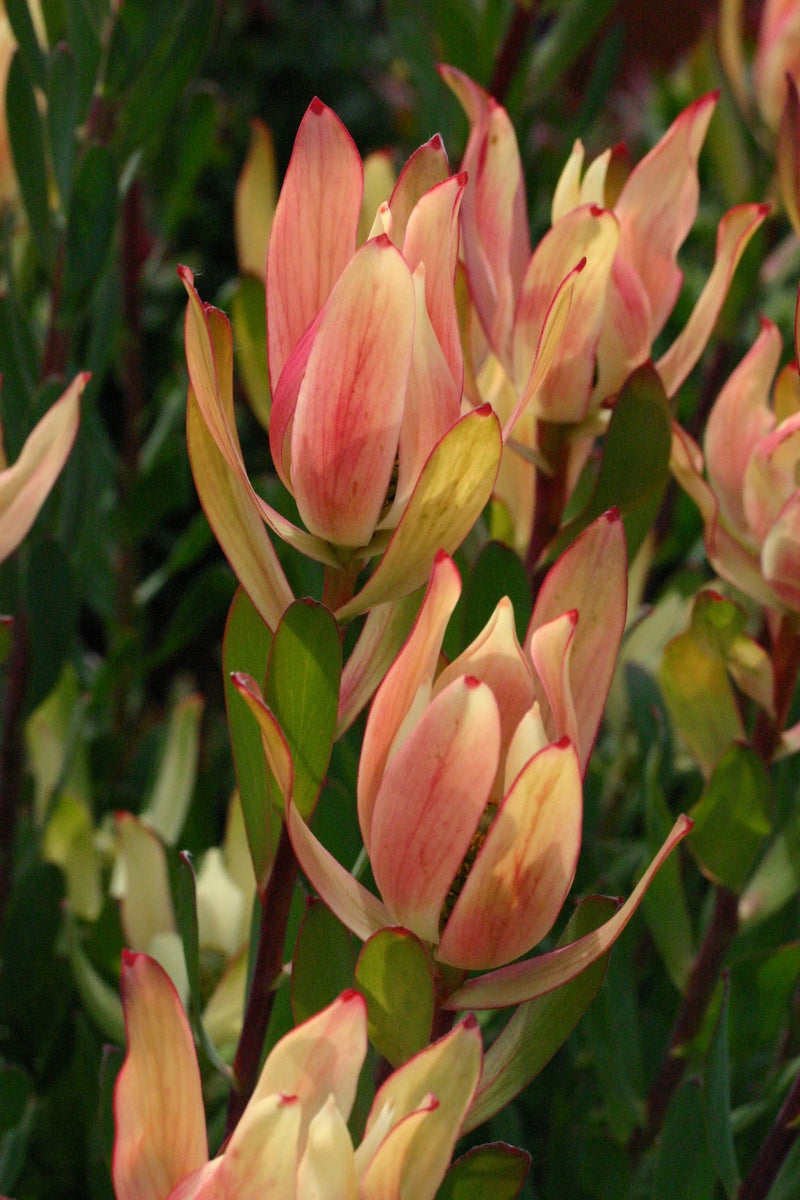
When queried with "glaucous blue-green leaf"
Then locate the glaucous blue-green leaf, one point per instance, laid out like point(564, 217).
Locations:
point(302, 691)
point(246, 648)
point(732, 818)
point(717, 1100)
point(538, 1028)
point(494, 1170)
point(323, 963)
point(394, 973)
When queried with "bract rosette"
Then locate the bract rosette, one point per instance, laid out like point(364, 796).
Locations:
point(469, 785)
point(366, 374)
point(292, 1140)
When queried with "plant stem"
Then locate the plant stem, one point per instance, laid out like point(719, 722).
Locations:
point(340, 584)
point(269, 962)
point(703, 980)
point(775, 1148)
point(510, 52)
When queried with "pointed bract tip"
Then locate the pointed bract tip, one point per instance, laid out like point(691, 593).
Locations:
point(316, 106)
point(186, 275)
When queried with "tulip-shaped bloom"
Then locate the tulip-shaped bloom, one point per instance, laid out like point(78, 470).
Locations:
point(627, 233)
point(24, 487)
point(469, 785)
point(366, 375)
point(292, 1141)
point(751, 501)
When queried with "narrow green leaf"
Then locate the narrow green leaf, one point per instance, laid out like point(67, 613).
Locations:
point(684, 1169)
point(634, 469)
point(324, 961)
point(17, 1109)
point(576, 25)
point(302, 691)
point(246, 647)
point(51, 609)
point(248, 316)
point(27, 147)
point(538, 1028)
point(494, 1170)
point(498, 572)
point(664, 907)
point(395, 974)
point(717, 1100)
point(732, 818)
point(85, 21)
point(63, 109)
point(21, 22)
point(90, 226)
point(184, 902)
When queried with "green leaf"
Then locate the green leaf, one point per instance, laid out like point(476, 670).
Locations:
point(63, 109)
point(684, 1169)
point(494, 1170)
point(777, 877)
point(538, 1028)
point(498, 572)
point(302, 691)
point(634, 469)
point(732, 818)
point(27, 147)
point(246, 647)
point(249, 319)
point(184, 902)
point(90, 226)
point(700, 699)
point(717, 1099)
point(395, 974)
point(17, 1108)
point(51, 611)
point(572, 32)
point(664, 906)
point(86, 21)
point(19, 17)
point(324, 961)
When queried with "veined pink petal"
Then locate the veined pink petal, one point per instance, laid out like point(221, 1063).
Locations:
point(739, 418)
point(496, 240)
point(261, 1157)
point(496, 659)
point(350, 405)
point(431, 797)
point(427, 167)
point(322, 1057)
point(361, 911)
point(625, 339)
point(432, 403)
point(588, 233)
point(314, 230)
point(780, 554)
point(550, 648)
point(209, 357)
point(409, 679)
point(686, 464)
point(658, 205)
point(384, 631)
point(591, 576)
point(535, 976)
point(432, 238)
point(734, 232)
point(25, 485)
point(525, 867)
point(455, 484)
point(158, 1102)
point(771, 476)
point(738, 563)
point(438, 1083)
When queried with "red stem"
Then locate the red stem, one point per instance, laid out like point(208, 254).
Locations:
point(268, 965)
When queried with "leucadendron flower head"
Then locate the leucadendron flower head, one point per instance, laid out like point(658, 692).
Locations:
point(292, 1141)
point(750, 500)
point(366, 373)
point(470, 779)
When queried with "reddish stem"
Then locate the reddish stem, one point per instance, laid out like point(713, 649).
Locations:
point(774, 1149)
point(510, 53)
point(268, 965)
